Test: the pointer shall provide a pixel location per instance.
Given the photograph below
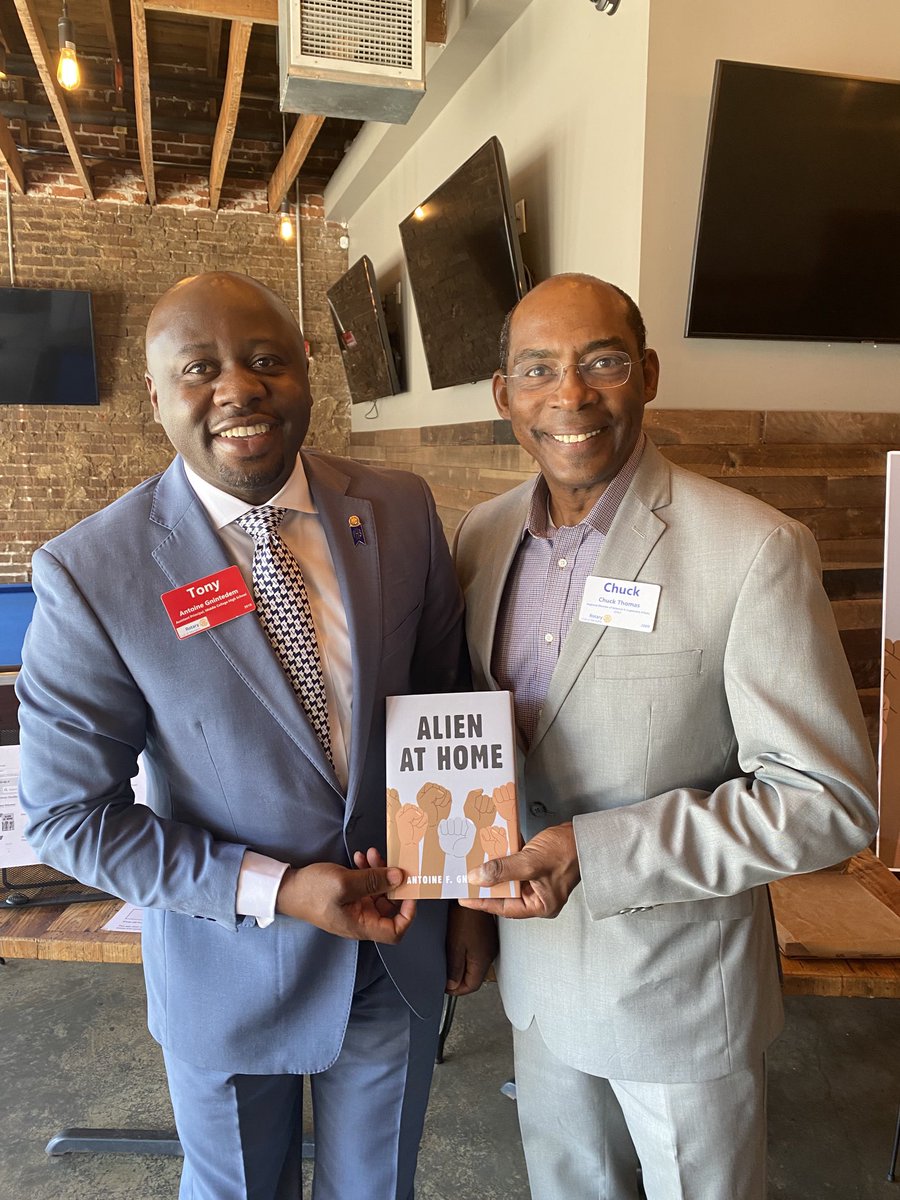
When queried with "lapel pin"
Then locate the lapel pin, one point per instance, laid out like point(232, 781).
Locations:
point(356, 528)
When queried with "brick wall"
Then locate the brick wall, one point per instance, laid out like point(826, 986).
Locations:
point(824, 469)
point(60, 464)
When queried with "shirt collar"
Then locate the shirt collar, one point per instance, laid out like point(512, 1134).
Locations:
point(222, 508)
point(600, 518)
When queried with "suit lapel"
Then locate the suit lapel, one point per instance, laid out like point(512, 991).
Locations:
point(190, 549)
point(500, 551)
point(634, 532)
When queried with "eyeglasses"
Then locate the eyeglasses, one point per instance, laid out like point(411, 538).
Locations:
point(596, 370)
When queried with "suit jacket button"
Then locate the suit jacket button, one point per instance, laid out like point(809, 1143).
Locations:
point(537, 809)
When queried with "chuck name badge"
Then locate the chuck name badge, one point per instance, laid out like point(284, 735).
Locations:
point(621, 602)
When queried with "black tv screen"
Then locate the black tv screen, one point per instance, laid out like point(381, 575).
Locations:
point(46, 347)
point(798, 234)
point(366, 351)
point(465, 268)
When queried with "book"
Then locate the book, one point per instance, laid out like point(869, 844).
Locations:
point(451, 791)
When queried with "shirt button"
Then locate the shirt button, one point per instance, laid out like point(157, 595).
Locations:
point(563, 562)
point(548, 638)
point(537, 809)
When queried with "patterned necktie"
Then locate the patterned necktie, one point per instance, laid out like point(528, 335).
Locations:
point(285, 615)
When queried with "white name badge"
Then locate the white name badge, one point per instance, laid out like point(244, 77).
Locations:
point(619, 602)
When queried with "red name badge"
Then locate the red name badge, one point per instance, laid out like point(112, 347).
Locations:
point(208, 602)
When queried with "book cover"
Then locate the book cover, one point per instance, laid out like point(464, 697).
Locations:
point(451, 791)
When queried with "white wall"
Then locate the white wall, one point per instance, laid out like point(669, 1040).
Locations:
point(564, 90)
point(685, 41)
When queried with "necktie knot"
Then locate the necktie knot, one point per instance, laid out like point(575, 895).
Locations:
point(262, 522)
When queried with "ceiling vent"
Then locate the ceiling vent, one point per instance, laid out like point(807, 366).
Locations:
point(353, 58)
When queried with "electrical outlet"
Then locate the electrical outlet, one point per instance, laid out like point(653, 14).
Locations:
point(521, 226)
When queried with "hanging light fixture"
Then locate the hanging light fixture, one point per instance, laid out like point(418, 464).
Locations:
point(67, 71)
point(2, 60)
point(285, 222)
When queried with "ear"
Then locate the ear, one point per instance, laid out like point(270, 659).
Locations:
point(651, 375)
point(151, 388)
point(501, 395)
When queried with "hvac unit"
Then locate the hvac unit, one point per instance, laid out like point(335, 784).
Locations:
point(354, 58)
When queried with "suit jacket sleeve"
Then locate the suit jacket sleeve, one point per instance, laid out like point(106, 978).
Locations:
point(803, 800)
point(83, 724)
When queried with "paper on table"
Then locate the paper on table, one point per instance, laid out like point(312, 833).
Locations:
point(14, 850)
point(127, 920)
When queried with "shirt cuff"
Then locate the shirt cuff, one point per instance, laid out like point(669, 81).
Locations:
point(258, 883)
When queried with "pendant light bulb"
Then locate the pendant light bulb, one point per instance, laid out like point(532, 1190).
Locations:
point(2, 61)
point(68, 73)
point(285, 224)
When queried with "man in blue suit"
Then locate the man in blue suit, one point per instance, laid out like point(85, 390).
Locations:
point(256, 857)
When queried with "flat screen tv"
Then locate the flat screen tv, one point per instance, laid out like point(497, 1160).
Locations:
point(370, 360)
point(798, 235)
point(46, 347)
point(465, 267)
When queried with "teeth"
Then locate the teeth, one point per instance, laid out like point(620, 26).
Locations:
point(244, 431)
point(569, 439)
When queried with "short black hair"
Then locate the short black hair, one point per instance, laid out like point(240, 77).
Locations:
point(632, 316)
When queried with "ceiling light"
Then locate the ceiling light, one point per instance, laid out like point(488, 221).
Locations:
point(67, 71)
point(2, 61)
point(285, 224)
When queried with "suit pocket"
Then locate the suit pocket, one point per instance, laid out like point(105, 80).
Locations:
point(647, 666)
point(394, 636)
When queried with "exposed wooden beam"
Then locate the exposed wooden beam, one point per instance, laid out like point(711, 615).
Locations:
point(234, 78)
point(118, 74)
point(212, 48)
point(142, 96)
point(263, 12)
point(31, 27)
point(299, 145)
point(106, 9)
point(10, 159)
point(436, 21)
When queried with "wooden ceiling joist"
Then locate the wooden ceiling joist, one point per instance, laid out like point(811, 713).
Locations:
point(142, 96)
point(299, 145)
point(212, 50)
point(262, 12)
point(237, 57)
point(10, 159)
point(31, 27)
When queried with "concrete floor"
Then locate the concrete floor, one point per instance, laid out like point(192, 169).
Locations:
point(74, 1051)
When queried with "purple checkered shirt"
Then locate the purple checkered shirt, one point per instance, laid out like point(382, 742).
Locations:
point(543, 593)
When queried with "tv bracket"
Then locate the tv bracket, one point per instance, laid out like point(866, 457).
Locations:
point(610, 7)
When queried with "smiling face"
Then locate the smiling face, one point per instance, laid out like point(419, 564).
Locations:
point(580, 436)
point(226, 372)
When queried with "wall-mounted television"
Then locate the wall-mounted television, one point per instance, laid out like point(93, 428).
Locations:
point(46, 347)
point(372, 361)
point(465, 267)
point(798, 235)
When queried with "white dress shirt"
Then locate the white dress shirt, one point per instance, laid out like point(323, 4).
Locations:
point(302, 532)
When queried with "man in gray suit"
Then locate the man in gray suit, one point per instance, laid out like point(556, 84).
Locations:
point(256, 857)
point(689, 731)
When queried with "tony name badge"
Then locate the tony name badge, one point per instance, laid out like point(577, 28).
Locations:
point(208, 602)
point(621, 602)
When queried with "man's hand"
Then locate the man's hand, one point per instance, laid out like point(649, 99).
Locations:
point(471, 948)
point(351, 904)
point(547, 867)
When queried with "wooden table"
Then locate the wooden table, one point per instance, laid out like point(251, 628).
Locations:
point(66, 933)
point(875, 978)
